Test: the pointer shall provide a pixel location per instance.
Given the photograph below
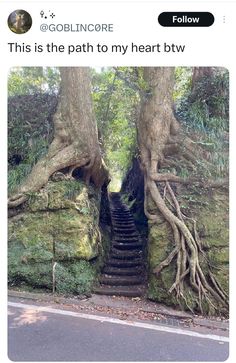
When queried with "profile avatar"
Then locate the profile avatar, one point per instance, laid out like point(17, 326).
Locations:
point(19, 21)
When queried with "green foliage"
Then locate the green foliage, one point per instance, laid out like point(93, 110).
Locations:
point(17, 175)
point(183, 82)
point(203, 109)
point(29, 133)
point(126, 199)
point(32, 102)
point(206, 106)
point(31, 80)
point(65, 190)
point(115, 103)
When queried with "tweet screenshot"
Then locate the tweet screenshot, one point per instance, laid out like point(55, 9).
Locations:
point(115, 119)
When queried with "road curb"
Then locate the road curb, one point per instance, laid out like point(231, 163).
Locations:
point(178, 315)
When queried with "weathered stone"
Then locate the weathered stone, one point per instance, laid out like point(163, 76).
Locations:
point(159, 247)
point(56, 196)
point(60, 223)
point(76, 277)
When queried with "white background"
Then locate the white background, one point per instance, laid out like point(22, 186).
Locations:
point(133, 22)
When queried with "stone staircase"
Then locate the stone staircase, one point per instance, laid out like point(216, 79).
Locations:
point(124, 271)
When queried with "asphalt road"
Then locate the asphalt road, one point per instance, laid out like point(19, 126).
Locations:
point(36, 335)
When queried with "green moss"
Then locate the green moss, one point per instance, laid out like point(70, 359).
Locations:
point(22, 270)
point(60, 223)
point(159, 244)
point(74, 278)
point(74, 231)
point(222, 277)
point(158, 249)
point(57, 195)
point(158, 288)
point(214, 228)
point(77, 277)
point(210, 210)
point(29, 230)
point(218, 256)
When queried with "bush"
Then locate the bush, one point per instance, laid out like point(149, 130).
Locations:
point(206, 107)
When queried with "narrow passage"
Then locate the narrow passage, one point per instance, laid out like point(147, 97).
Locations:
point(124, 271)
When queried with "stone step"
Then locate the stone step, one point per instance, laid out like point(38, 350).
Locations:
point(125, 255)
point(120, 280)
point(121, 215)
point(124, 212)
point(122, 220)
point(123, 231)
point(123, 271)
point(129, 291)
point(125, 238)
point(122, 237)
point(114, 262)
point(124, 226)
point(120, 229)
point(127, 245)
point(120, 211)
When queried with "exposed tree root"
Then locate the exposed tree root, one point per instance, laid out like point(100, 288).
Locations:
point(186, 250)
point(75, 143)
point(160, 139)
point(40, 174)
point(168, 177)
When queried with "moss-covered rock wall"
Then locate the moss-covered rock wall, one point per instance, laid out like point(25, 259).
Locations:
point(59, 226)
point(210, 210)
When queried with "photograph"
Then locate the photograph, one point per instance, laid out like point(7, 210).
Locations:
point(19, 21)
point(118, 205)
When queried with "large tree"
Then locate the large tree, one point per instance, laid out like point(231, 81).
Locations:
point(75, 143)
point(159, 137)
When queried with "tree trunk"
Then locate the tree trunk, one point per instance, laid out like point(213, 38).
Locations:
point(75, 143)
point(158, 132)
point(156, 123)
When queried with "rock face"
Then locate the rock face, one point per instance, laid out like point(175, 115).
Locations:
point(210, 210)
point(59, 224)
